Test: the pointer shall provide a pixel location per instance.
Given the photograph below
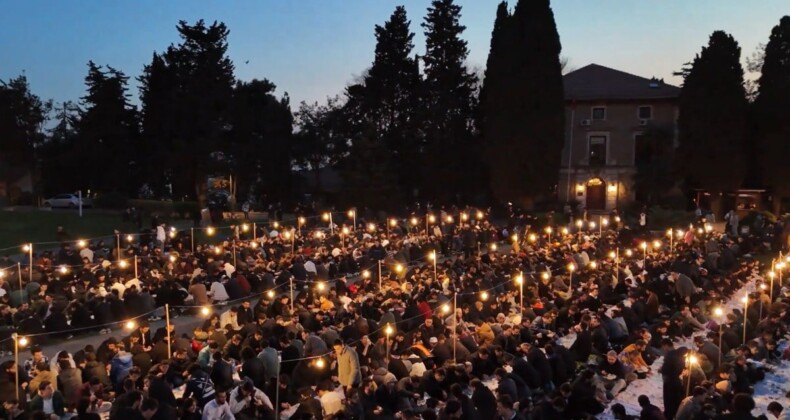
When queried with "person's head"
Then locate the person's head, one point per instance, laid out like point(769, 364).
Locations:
point(775, 408)
point(611, 357)
point(95, 384)
point(37, 354)
point(221, 397)
point(618, 410)
point(699, 394)
point(45, 390)
point(338, 346)
point(148, 408)
point(643, 400)
point(742, 403)
point(505, 406)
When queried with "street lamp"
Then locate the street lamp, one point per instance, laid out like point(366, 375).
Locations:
point(387, 332)
point(745, 301)
point(210, 231)
point(353, 214)
point(484, 296)
point(520, 281)
point(719, 313)
point(18, 342)
point(433, 258)
point(548, 232)
point(691, 360)
point(643, 245)
point(28, 248)
point(328, 218)
point(571, 269)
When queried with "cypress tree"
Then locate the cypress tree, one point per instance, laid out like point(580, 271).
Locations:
point(771, 111)
point(712, 119)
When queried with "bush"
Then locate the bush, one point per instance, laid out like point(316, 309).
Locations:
point(168, 209)
point(113, 200)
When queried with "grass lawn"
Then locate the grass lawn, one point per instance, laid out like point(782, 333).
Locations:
point(20, 226)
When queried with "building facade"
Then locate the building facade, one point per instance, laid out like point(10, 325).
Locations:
point(608, 114)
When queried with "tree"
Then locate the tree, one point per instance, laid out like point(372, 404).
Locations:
point(107, 130)
point(262, 140)
point(317, 142)
point(712, 119)
point(655, 176)
point(187, 94)
point(158, 96)
point(523, 103)
point(22, 116)
point(57, 153)
point(771, 113)
point(451, 154)
point(388, 99)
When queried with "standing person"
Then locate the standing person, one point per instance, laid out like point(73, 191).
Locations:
point(347, 365)
point(670, 372)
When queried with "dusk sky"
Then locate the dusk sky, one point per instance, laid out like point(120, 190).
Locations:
point(313, 48)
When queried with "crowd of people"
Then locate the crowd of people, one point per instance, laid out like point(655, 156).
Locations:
point(438, 315)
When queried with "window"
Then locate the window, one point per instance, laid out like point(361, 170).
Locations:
point(643, 150)
point(599, 113)
point(597, 151)
point(645, 112)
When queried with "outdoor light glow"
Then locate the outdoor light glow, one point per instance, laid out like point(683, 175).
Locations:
point(344, 230)
point(692, 360)
point(130, 324)
point(245, 227)
point(612, 255)
point(393, 222)
point(301, 220)
point(217, 250)
point(763, 286)
point(319, 363)
point(484, 296)
point(276, 225)
point(700, 231)
point(210, 231)
point(771, 274)
point(593, 265)
point(464, 216)
point(63, 269)
point(205, 311)
point(564, 231)
point(351, 213)
point(617, 219)
point(2, 274)
point(253, 244)
point(325, 216)
point(366, 274)
point(548, 230)
point(780, 266)
point(321, 286)
point(432, 256)
point(388, 330)
point(286, 235)
point(431, 219)
point(680, 233)
point(605, 221)
point(669, 232)
point(492, 247)
point(270, 294)
point(22, 341)
point(398, 268)
point(718, 311)
point(579, 223)
point(414, 221)
point(656, 244)
point(371, 227)
point(172, 235)
point(643, 245)
point(129, 238)
point(571, 267)
point(545, 275)
point(81, 243)
point(787, 258)
point(519, 279)
point(532, 237)
point(26, 248)
point(745, 299)
point(592, 225)
point(449, 219)
point(446, 308)
point(172, 258)
point(479, 215)
point(515, 237)
point(628, 253)
point(122, 263)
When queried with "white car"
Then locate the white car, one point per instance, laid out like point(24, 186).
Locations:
point(67, 201)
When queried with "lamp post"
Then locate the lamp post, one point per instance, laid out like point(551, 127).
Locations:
point(118, 245)
point(19, 271)
point(520, 281)
point(353, 214)
point(745, 301)
point(387, 333)
point(18, 342)
point(432, 256)
point(591, 224)
point(571, 269)
point(719, 313)
point(167, 329)
point(300, 221)
point(28, 248)
point(691, 360)
point(601, 223)
point(615, 256)
point(548, 232)
point(343, 233)
point(643, 245)
point(328, 218)
point(291, 286)
point(380, 279)
point(671, 234)
point(135, 266)
point(429, 218)
point(579, 224)
point(391, 223)
point(771, 275)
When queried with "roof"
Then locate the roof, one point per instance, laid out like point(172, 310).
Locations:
point(596, 82)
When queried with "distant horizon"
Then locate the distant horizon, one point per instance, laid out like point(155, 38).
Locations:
point(313, 49)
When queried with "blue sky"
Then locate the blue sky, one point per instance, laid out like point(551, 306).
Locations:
point(314, 48)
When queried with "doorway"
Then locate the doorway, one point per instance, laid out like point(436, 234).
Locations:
point(596, 194)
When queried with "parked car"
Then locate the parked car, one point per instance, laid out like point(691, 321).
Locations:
point(67, 201)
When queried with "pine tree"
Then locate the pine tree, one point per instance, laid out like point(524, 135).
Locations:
point(451, 164)
point(156, 147)
point(390, 98)
point(523, 103)
point(771, 111)
point(107, 132)
point(712, 119)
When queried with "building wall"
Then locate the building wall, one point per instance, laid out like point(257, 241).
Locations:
point(620, 126)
